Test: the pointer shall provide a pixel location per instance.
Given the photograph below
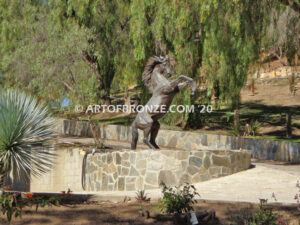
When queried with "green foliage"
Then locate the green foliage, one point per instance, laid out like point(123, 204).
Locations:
point(109, 48)
point(265, 216)
point(59, 71)
point(12, 204)
point(86, 50)
point(66, 48)
point(281, 34)
point(254, 127)
point(236, 130)
point(26, 134)
point(141, 196)
point(178, 199)
point(244, 216)
point(231, 44)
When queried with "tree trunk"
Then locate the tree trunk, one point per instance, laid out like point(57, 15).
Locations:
point(252, 87)
point(216, 94)
point(288, 125)
point(96, 133)
point(127, 101)
point(236, 117)
point(291, 83)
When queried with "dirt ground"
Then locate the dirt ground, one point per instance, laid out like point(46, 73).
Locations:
point(129, 213)
point(275, 93)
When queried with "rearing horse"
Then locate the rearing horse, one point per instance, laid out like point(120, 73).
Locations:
point(163, 91)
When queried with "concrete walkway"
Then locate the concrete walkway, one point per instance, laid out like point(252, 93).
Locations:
point(261, 181)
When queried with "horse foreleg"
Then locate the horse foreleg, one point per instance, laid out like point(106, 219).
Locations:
point(154, 132)
point(183, 85)
point(179, 79)
point(188, 81)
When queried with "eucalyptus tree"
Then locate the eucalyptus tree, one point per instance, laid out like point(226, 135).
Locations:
point(233, 32)
point(108, 22)
point(282, 37)
point(217, 40)
point(49, 64)
point(83, 49)
point(11, 31)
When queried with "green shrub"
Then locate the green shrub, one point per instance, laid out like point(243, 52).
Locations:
point(236, 130)
point(254, 127)
point(178, 199)
point(26, 132)
point(265, 216)
point(244, 216)
point(12, 204)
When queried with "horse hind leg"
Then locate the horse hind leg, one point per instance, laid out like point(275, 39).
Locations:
point(135, 136)
point(154, 132)
point(147, 131)
point(144, 122)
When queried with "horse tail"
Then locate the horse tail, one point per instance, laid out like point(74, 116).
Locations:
point(135, 136)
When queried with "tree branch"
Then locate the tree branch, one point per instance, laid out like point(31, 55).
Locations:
point(295, 6)
point(279, 58)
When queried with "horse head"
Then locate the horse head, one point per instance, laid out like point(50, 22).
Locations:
point(158, 63)
point(164, 66)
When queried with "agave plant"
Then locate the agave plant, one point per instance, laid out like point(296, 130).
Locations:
point(26, 132)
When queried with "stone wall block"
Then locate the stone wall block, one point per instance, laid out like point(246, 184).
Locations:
point(167, 177)
point(139, 183)
point(153, 165)
point(152, 178)
point(185, 178)
point(195, 161)
point(191, 170)
point(141, 164)
point(133, 172)
point(206, 162)
point(220, 160)
point(121, 184)
point(125, 171)
point(104, 182)
point(182, 155)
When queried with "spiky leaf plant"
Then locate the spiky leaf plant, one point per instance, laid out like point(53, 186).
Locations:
point(26, 132)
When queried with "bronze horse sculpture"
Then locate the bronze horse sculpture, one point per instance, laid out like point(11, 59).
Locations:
point(163, 91)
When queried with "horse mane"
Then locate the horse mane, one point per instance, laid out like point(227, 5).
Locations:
point(151, 63)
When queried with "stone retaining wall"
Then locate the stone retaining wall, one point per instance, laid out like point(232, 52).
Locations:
point(263, 149)
point(146, 169)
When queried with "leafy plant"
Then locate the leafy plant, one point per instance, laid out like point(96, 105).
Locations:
point(178, 199)
point(26, 132)
point(244, 216)
point(11, 204)
point(141, 196)
point(262, 216)
point(265, 216)
point(254, 127)
point(237, 130)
